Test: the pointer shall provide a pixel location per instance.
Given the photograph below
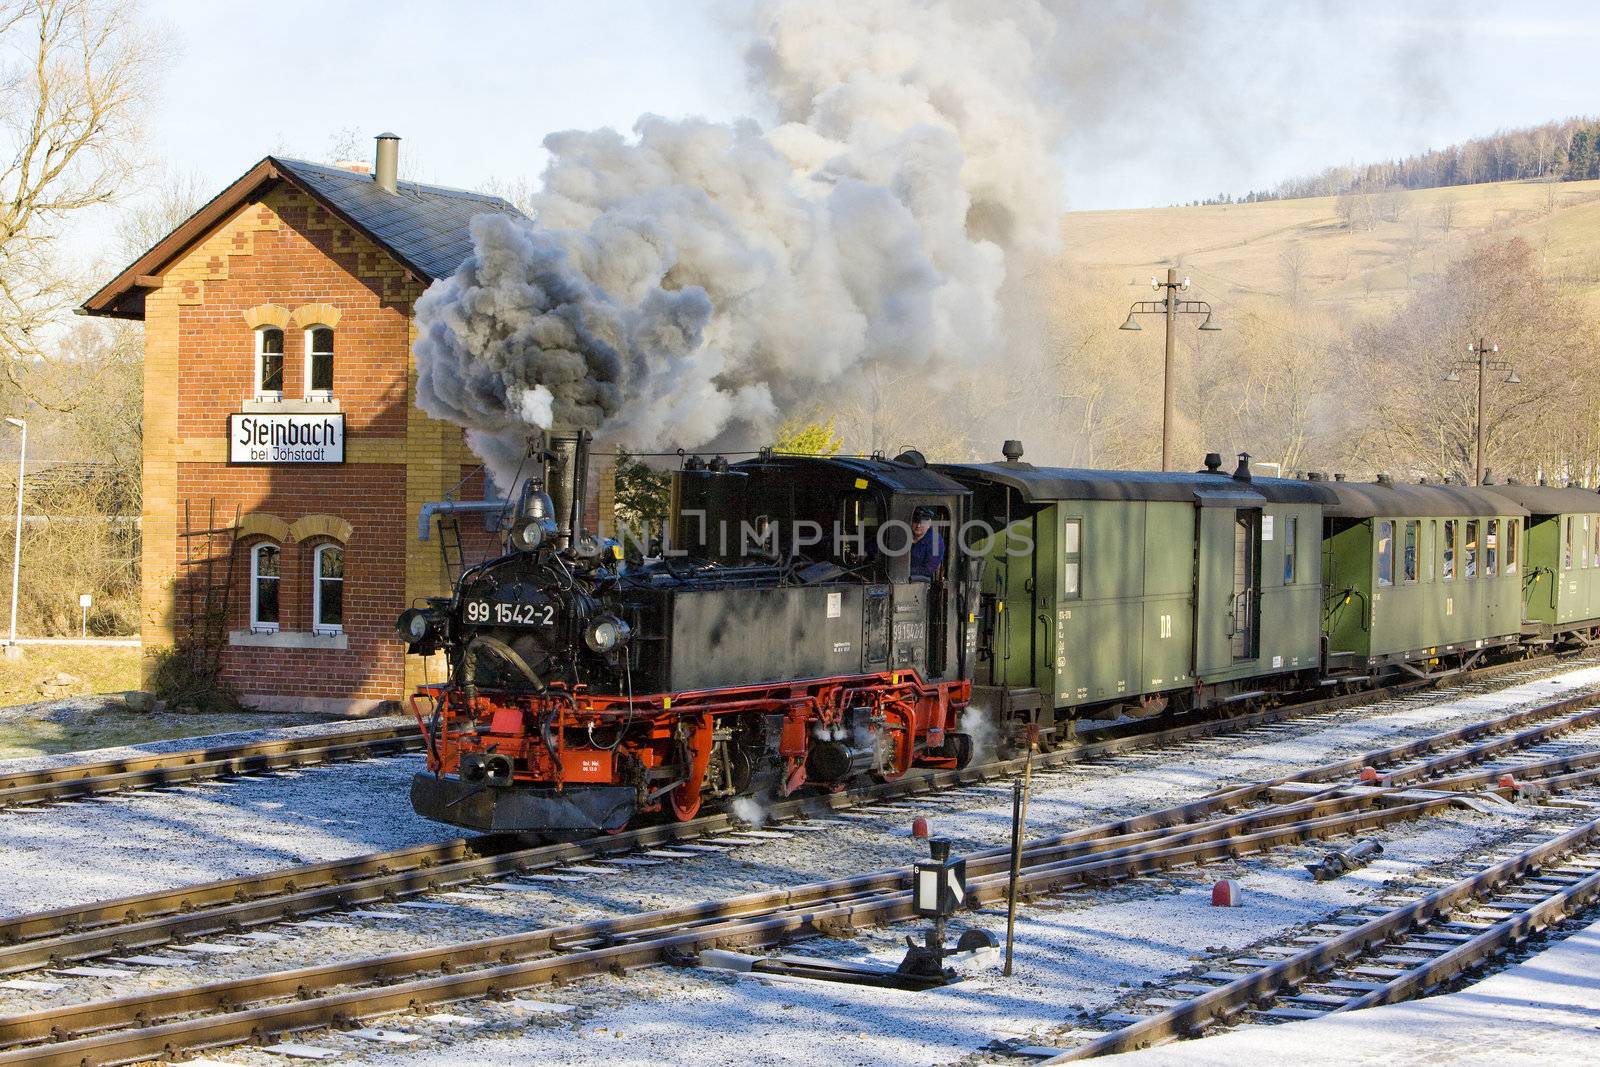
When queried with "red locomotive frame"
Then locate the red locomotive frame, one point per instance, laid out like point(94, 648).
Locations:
point(667, 730)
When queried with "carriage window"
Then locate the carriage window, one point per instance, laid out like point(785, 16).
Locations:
point(1430, 545)
point(1385, 552)
point(1512, 527)
point(269, 363)
point(1583, 544)
point(1566, 550)
point(1449, 567)
point(1291, 547)
point(1491, 549)
point(264, 587)
point(1471, 549)
point(1409, 562)
point(1071, 558)
point(1594, 558)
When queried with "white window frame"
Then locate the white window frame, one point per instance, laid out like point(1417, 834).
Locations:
point(261, 354)
point(317, 626)
point(257, 625)
point(319, 394)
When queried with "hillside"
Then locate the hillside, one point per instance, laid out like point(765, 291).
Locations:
point(1234, 251)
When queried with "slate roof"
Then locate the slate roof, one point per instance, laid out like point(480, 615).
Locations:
point(424, 226)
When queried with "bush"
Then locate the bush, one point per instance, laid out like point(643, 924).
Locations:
point(183, 679)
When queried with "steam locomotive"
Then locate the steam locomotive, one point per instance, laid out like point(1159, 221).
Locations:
point(784, 639)
point(774, 646)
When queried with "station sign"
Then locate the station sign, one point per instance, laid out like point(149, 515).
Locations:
point(269, 439)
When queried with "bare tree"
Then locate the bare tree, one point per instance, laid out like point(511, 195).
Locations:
point(80, 72)
point(1292, 261)
point(1444, 213)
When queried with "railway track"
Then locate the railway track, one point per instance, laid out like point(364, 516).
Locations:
point(1408, 950)
point(262, 1007)
point(122, 926)
point(167, 769)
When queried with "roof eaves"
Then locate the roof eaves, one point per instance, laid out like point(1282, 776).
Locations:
point(164, 251)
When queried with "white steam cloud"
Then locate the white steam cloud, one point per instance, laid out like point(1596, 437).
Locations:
point(699, 276)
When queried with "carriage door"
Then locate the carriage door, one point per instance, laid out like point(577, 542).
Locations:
point(1246, 583)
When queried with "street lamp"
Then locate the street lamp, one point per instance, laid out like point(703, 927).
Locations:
point(1481, 351)
point(16, 548)
point(1171, 307)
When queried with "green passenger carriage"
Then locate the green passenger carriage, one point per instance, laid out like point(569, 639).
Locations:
point(1561, 561)
point(1420, 577)
point(1113, 593)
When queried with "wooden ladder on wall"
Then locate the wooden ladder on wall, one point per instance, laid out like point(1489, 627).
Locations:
point(206, 585)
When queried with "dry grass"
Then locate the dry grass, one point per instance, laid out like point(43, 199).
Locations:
point(102, 670)
point(69, 725)
point(1237, 250)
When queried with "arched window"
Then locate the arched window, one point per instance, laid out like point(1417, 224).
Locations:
point(319, 363)
point(269, 363)
point(327, 608)
point(264, 578)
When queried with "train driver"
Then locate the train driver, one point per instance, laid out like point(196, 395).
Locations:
point(927, 547)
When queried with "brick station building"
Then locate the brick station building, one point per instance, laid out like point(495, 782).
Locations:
point(279, 385)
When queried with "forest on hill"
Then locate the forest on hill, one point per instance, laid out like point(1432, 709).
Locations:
point(1566, 150)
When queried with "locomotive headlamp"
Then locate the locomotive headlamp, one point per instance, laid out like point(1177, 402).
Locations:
point(606, 633)
point(418, 625)
point(415, 625)
point(528, 535)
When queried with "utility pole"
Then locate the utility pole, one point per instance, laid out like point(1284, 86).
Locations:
point(16, 548)
point(1171, 307)
point(1480, 359)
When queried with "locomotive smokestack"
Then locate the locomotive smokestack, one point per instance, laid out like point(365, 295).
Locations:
point(565, 476)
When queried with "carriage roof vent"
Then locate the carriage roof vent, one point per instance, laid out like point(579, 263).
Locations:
point(1384, 479)
point(1012, 450)
point(1338, 477)
point(1242, 471)
point(1213, 463)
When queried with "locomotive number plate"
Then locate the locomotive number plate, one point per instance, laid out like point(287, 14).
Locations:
point(490, 613)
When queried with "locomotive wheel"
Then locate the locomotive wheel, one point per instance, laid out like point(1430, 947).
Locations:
point(685, 801)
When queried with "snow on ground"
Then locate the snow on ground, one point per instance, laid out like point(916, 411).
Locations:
point(90, 705)
point(1544, 1011)
point(52, 856)
point(1075, 950)
point(126, 843)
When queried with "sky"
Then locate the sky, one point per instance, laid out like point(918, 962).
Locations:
point(1166, 101)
